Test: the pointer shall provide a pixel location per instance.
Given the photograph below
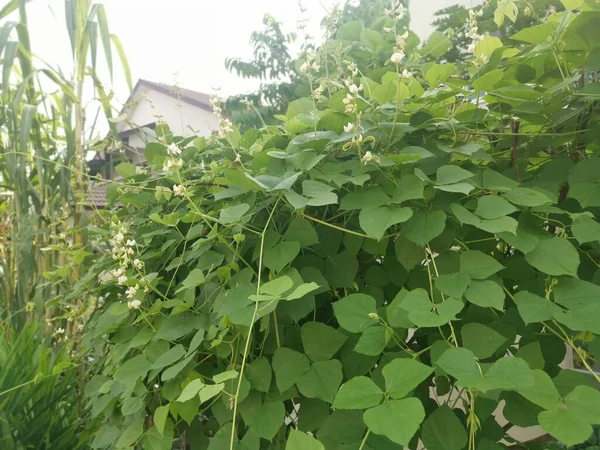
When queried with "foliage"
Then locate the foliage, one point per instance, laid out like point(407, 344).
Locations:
point(405, 252)
point(41, 398)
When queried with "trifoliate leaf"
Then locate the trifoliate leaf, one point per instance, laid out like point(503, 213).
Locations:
point(322, 380)
point(375, 221)
point(358, 393)
point(402, 375)
point(355, 312)
point(398, 420)
point(443, 430)
point(289, 366)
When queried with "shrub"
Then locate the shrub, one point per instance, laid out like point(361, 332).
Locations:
point(406, 253)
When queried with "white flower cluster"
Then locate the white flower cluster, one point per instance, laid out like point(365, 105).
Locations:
point(350, 99)
point(397, 11)
point(310, 61)
point(123, 251)
point(399, 54)
point(173, 161)
point(473, 29)
point(225, 125)
point(179, 190)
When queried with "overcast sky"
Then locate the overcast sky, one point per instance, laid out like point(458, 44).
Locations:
point(187, 41)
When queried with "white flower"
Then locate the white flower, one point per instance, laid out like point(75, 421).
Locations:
point(118, 272)
point(348, 99)
point(138, 264)
point(304, 67)
point(348, 128)
point(358, 140)
point(367, 157)
point(406, 74)
point(119, 237)
point(132, 291)
point(131, 242)
point(225, 127)
point(134, 304)
point(397, 57)
point(60, 331)
point(179, 191)
point(387, 30)
point(315, 67)
point(130, 251)
point(174, 150)
point(122, 280)
point(355, 89)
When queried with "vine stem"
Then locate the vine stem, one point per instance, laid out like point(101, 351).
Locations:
point(249, 336)
point(364, 441)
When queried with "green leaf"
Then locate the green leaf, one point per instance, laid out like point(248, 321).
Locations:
point(321, 341)
point(478, 265)
point(398, 420)
point(534, 308)
point(353, 312)
point(301, 231)
point(365, 198)
point(173, 355)
point(423, 313)
point(487, 294)
point(133, 369)
point(372, 39)
point(125, 170)
point(297, 440)
point(376, 221)
point(438, 74)
point(409, 188)
point(424, 226)
point(402, 375)
point(225, 376)
point(437, 44)
point(319, 194)
point(454, 284)
point(459, 363)
point(280, 255)
point(573, 293)
point(233, 213)
point(585, 229)
point(278, 286)
point(442, 430)
point(488, 80)
point(536, 34)
point(493, 207)
point(527, 197)
point(191, 390)
point(322, 380)
point(487, 45)
point(373, 341)
point(350, 31)
point(396, 315)
point(211, 390)
point(565, 426)
point(259, 374)
point(584, 403)
point(176, 326)
point(555, 256)
point(408, 253)
point(195, 278)
point(289, 366)
point(302, 290)
point(542, 392)
point(266, 420)
point(506, 374)
point(358, 393)
point(452, 174)
point(483, 341)
point(160, 418)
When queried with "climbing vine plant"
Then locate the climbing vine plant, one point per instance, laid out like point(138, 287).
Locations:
point(405, 260)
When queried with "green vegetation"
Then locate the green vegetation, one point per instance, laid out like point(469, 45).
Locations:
point(409, 242)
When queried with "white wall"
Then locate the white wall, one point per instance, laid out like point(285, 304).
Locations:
point(184, 118)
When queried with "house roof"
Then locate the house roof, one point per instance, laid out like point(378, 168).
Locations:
point(195, 98)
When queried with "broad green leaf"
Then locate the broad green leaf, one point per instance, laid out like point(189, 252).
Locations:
point(459, 363)
point(322, 380)
point(319, 194)
point(267, 420)
point(397, 316)
point(176, 326)
point(493, 207)
point(527, 197)
point(358, 393)
point(398, 420)
point(585, 229)
point(133, 369)
point(191, 390)
point(354, 312)
point(454, 284)
point(365, 198)
point(534, 308)
point(452, 174)
point(373, 341)
point(341, 270)
point(565, 426)
point(280, 255)
point(402, 375)
point(195, 278)
point(584, 403)
point(372, 39)
point(555, 256)
point(125, 170)
point(160, 417)
point(424, 313)
point(483, 341)
point(385, 92)
point(278, 286)
point(259, 374)
point(376, 221)
point(211, 390)
point(301, 231)
point(170, 357)
point(302, 290)
point(438, 74)
point(507, 374)
point(409, 188)
point(408, 253)
point(574, 294)
point(233, 213)
point(542, 392)
point(486, 46)
point(424, 226)
point(297, 440)
point(289, 366)
point(225, 376)
point(321, 341)
point(437, 44)
point(442, 430)
point(486, 293)
point(478, 265)
point(350, 31)
point(536, 34)
point(488, 80)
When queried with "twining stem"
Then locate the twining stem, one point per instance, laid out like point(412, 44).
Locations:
point(364, 441)
point(249, 336)
point(472, 420)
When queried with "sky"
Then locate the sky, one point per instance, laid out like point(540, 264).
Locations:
point(185, 42)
